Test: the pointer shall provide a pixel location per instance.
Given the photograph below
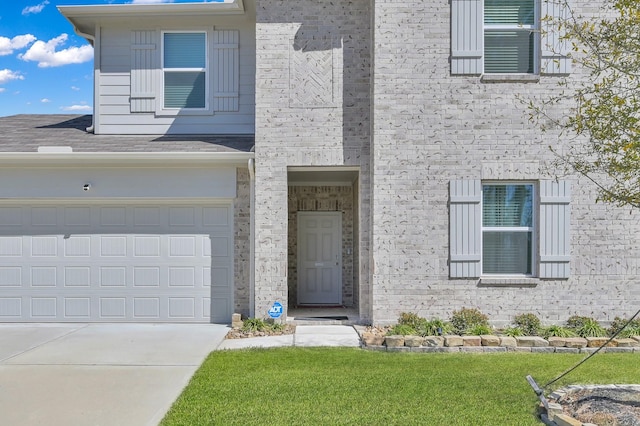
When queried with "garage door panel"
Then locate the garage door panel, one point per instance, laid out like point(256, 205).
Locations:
point(116, 263)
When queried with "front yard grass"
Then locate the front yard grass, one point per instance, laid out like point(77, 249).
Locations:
point(341, 386)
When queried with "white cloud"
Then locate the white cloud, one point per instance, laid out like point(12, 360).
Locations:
point(45, 54)
point(75, 108)
point(6, 75)
point(2, 89)
point(35, 9)
point(45, 100)
point(75, 88)
point(8, 45)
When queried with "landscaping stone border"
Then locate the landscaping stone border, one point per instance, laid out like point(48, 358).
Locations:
point(492, 344)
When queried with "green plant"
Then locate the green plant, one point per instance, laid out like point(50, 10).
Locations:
point(513, 332)
point(591, 328)
point(401, 330)
point(478, 330)
point(435, 327)
point(467, 318)
point(556, 331)
point(253, 324)
point(633, 329)
point(576, 321)
point(529, 323)
point(410, 319)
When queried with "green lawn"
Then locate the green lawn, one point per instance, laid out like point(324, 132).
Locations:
point(323, 386)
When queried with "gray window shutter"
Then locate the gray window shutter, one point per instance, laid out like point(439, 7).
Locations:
point(465, 227)
point(143, 67)
point(555, 246)
point(554, 48)
point(467, 36)
point(226, 75)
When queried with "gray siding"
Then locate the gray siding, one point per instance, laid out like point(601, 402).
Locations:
point(120, 114)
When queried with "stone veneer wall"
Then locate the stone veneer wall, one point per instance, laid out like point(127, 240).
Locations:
point(322, 199)
point(241, 233)
point(429, 128)
point(312, 109)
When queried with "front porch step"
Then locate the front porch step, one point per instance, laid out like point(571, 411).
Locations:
point(320, 321)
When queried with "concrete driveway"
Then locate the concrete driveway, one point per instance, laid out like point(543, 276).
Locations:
point(98, 374)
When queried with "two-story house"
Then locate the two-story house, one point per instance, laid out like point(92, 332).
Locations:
point(367, 154)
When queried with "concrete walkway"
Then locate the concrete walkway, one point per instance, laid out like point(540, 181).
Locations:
point(116, 374)
point(305, 336)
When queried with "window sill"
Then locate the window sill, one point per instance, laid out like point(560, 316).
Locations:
point(508, 282)
point(510, 78)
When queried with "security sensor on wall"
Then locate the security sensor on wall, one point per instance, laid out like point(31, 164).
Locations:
point(86, 187)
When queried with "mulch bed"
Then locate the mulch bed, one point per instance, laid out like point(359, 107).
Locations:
point(604, 405)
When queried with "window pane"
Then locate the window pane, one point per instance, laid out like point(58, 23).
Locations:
point(184, 50)
point(506, 252)
point(509, 12)
point(508, 51)
point(184, 90)
point(507, 205)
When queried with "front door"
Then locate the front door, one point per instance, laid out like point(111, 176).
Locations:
point(319, 258)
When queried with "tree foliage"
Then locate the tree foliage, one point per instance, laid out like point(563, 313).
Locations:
point(605, 116)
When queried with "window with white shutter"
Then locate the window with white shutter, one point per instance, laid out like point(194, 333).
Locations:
point(509, 229)
point(506, 37)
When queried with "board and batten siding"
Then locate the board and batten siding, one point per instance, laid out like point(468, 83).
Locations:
point(128, 92)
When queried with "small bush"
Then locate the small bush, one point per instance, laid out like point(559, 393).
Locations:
point(528, 323)
point(410, 319)
point(478, 330)
point(591, 328)
point(513, 332)
point(576, 321)
point(467, 318)
point(253, 324)
point(435, 327)
point(401, 330)
point(633, 329)
point(556, 331)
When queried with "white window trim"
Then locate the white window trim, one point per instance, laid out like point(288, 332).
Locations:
point(208, 109)
point(537, 54)
point(534, 230)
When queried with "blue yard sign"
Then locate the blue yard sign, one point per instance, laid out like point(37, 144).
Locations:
point(276, 310)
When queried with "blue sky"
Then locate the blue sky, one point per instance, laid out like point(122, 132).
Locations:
point(45, 68)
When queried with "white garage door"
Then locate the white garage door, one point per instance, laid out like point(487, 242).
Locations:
point(116, 263)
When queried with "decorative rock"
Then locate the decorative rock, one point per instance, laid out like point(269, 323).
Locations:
point(576, 342)
point(508, 342)
point(619, 350)
point(434, 341)
point(563, 350)
point(394, 341)
point(596, 342)
point(413, 341)
point(453, 340)
point(557, 341)
point(398, 349)
point(372, 339)
point(636, 338)
point(471, 341)
point(236, 321)
point(554, 409)
point(488, 340)
point(492, 349)
point(626, 343)
point(543, 349)
point(472, 349)
point(531, 341)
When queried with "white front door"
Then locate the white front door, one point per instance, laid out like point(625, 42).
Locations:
point(319, 258)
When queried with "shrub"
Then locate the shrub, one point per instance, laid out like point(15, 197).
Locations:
point(633, 329)
point(478, 330)
point(467, 318)
point(253, 324)
point(401, 330)
point(435, 327)
point(556, 331)
point(528, 323)
point(576, 321)
point(591, 328)
point(513, 332)
point(410, 319)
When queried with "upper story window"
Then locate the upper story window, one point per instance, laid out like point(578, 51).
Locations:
point(185, 70)
point(508, 37)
